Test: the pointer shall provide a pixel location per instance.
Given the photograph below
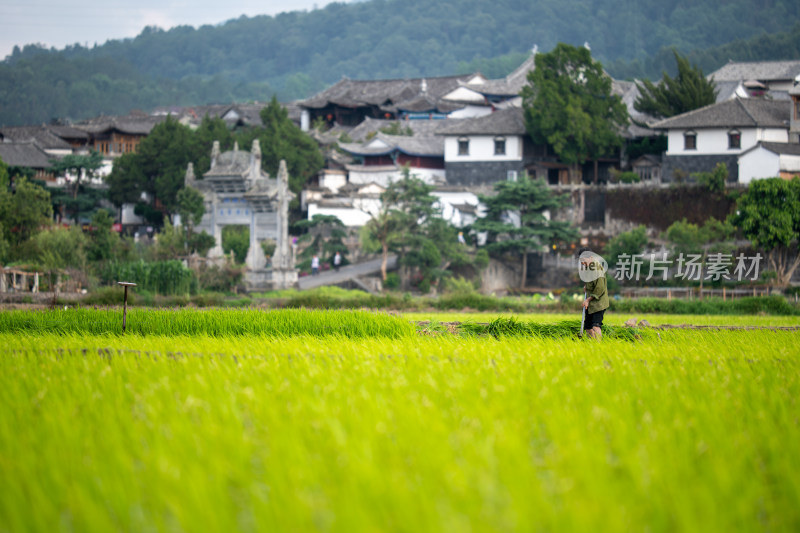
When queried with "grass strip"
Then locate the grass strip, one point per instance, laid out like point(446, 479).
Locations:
point(213, 323)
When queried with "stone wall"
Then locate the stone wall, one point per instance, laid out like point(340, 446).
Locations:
point(498, 277)
point(480, 173)
point(690, 164)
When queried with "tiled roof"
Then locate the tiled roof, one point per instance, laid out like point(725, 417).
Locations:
point(502, 122)
point(370, 126)
point(41, 134)
point(509, 86)
point(24, 154)
point(231, 163)
point(782, 148)
point(134, 124)
point(386, 94)
point(68, 132)
point(417, 145)
point(738, 112)
point(757, 70)
point(628, 92)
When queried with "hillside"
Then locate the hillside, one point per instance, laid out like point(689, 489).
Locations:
point(296, 54)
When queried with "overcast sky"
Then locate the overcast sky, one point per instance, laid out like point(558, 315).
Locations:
point(62, 22)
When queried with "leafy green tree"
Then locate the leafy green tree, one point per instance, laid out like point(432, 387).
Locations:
point(384, 229)
point(210, 130)
point(715, 180)
point(56, 249)
point(768, 214)
point(158, 168)
point(236, 239)
point(79, 208)
point(687, 91)
point(325, 235)
point(517, 221)
point(25, 212)
point(688, 238)
point(191, 207)
point(402, 223)
point(104, 243)
point(127, 181)
point(631, 242)
point(77, 168)
point(163, 157)
point(281, 139)
point(569, 106)
point(4, 198)
point(713, 236)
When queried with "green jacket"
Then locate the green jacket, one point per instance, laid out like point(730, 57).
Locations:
point(598, 290)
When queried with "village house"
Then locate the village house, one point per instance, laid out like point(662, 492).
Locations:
point(348, 102)
point(755, 79)
point(44, 136)
point(115, 136)
point(27, 154)
point(483, 150)
point(721, 133)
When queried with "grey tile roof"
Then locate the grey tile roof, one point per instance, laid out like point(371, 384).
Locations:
point(738, 112)
point(726, 89)
point(386, 94)
point(417, 145)
point(41, 134)
point(509, 86)
point(757, 70)
point(370, 126)
point(502, 122)
point(24, 154)
point(134, 124)
point(231, 163)
point(628, 92)
point(782, 148)
point(68, 132)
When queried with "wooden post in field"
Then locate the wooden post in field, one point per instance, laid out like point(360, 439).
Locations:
point(125, 284)
point(669, 295)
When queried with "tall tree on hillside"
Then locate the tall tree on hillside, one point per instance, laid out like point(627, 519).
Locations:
point(519, 219)
point(569, 106)
point(688, 90)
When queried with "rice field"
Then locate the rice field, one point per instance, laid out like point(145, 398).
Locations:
point(352, 421)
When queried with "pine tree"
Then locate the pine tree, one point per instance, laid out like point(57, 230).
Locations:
point(672, 96)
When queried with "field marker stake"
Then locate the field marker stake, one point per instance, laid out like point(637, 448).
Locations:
point(125, 284)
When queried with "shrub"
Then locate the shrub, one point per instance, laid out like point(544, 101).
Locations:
point(392, 281)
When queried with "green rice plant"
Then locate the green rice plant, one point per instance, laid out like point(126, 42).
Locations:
point(565, 329)
point(301, 433)
point(215, 323)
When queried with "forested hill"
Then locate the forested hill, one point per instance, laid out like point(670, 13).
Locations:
point(295, 54)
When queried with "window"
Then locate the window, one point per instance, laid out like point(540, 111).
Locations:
point(690, 140)
point(511, 175)
point(499, 145)
point(463, 146)
point(734, 139)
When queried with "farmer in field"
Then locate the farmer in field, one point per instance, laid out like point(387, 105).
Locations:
point(592, 271)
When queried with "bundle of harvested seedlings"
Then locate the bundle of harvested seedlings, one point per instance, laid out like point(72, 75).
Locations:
point(511, 327)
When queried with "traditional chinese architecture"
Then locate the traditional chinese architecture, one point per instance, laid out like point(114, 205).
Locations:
point(238, 192)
